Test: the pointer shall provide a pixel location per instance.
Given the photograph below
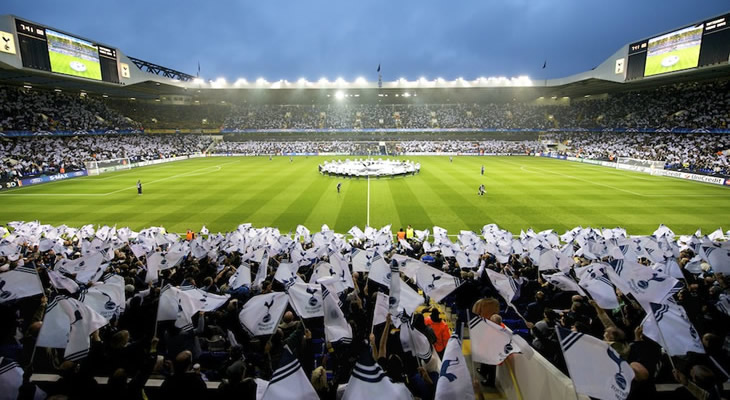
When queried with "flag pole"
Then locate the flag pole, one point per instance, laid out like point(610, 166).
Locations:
point(661, 336)
point(562, 350)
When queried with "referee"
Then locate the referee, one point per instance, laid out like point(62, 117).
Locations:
point(139, 187)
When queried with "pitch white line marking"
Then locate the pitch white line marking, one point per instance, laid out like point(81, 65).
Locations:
point(522, 167)
point(368, 207)
point(191, 173)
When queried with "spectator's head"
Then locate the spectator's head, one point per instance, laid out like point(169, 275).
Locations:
point(183, 362)
point(435, 315)
point(486, 307)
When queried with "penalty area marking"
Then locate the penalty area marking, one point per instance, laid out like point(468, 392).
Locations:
point(191, 173)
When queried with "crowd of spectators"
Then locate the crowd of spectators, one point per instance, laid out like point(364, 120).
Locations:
point(135, 345)
point(470, 147)
point(696, 152)
point(43, 111)
point(25, 157)
point(690, 106)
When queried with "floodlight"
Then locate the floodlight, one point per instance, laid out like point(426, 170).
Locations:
point(339, 95)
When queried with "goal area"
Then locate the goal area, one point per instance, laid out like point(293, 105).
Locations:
point(635, 164)
point(101, 166)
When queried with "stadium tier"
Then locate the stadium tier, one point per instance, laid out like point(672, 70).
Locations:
point(487, 238)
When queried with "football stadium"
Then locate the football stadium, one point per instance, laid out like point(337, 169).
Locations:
point(164, 235)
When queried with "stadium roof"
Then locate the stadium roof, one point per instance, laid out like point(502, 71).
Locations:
point(145, 80)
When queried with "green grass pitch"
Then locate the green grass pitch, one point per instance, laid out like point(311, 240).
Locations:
point(61, 63)
point(688, 58)
point(522, 192)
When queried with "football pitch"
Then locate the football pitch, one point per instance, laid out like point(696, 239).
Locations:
point(688, 58)
point(522, 192)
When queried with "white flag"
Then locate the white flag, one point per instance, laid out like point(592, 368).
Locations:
point(381, 308)
point(262, 270)
point(645, 284)
point(564, 283)
point(306, 299)
point(436, 284)
point(242, 277)
point(368, 381)
point(19, 283)
point(677, 334)
point(289, 381)
point(380, 271)
point(595, 368)
point(718, 258)
point(11, 378)
point(336, 327)
point(286, 273)
point(505, 285)
point(600, 288)
point(454, 381)
point(261, 314)
point(490, 343)
point(362, 260)
point(206, 301)
point(177, 305)
point(67, 325)
point(106, 298)
point(84, 321)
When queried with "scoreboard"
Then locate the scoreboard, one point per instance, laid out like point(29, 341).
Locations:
point(707, 43)
point(44, 49)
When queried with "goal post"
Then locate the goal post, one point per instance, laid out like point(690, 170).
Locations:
point(634, 164)
point(102, 166)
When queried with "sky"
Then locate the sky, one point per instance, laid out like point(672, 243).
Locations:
point(312, 39)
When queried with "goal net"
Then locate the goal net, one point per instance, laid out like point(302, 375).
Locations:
point(102, 166)
point(635, 164)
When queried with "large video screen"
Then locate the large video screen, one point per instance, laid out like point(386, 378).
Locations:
point(73, 56)
point(674, 51)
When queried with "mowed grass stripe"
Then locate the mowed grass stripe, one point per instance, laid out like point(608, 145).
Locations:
point(522, 192)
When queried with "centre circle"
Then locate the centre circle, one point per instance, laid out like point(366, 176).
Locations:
point(369, 168)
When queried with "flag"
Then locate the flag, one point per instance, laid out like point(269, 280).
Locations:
point(368, 381)
point(19, 283)
point(601, 289)
point(454, 381)
point(490, 343)
point(198, 75)
point(645, 284)
point(306, 299)
point(595, 368)
point(505, 285)
point(206, 301)
point(414, 341)
point(380, 271)
point(675, 332)
point(408, 300)
point(289, 381)
point(564, 283)
point(718, 258)
point(336, 327)
point(362, 260)
point(378, 67)
point(176, 305)
point(261, 314)
point(67, 325)
point(242, 277)
point(11, 378)
point(544, 65)
point(83, 322)
point(381, 308)
point(436, 284)
point(262, 271)
point(106, 298)
point(286, 273)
